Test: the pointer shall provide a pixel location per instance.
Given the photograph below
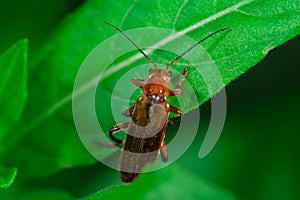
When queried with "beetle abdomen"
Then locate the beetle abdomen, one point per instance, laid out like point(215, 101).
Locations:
point(143, 143)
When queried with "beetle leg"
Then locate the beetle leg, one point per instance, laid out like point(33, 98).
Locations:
point(137, 82)
point(115, 129)
point(105, 144)
point(174, 120)
point(179, 89)
point(163, 151)
point(128, 111)
point(176, 111)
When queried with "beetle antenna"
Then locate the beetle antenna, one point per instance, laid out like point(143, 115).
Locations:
point(202, 40)
point(134, 44)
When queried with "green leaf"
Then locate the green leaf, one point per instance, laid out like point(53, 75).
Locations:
point(13, 95)
point(7, 176)
point(47, 133)
point(169, 183)
point(45, 194)
point(13, 86)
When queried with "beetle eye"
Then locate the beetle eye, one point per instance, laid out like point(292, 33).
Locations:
point(170, 73)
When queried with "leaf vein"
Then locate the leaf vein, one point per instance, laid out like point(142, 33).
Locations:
point(179, 12)
point(127, 12)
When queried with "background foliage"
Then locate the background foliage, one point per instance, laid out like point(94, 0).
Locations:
point(256, 157)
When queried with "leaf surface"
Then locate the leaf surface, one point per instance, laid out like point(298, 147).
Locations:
point(169, 183)
point(13, 96)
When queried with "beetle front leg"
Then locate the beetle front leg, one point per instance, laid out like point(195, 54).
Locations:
point(176, 111)
point(179, 89)
point(115, 129)
point(137, 82)
point(128, 111)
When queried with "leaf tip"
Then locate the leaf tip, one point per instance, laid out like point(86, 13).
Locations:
point(22, 44)
point(23, 41)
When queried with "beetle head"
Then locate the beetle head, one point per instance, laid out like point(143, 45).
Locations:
point(157, 84)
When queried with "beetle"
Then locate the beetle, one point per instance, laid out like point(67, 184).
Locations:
point(149, 116)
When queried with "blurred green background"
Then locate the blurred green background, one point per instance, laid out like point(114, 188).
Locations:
point(257, 156)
